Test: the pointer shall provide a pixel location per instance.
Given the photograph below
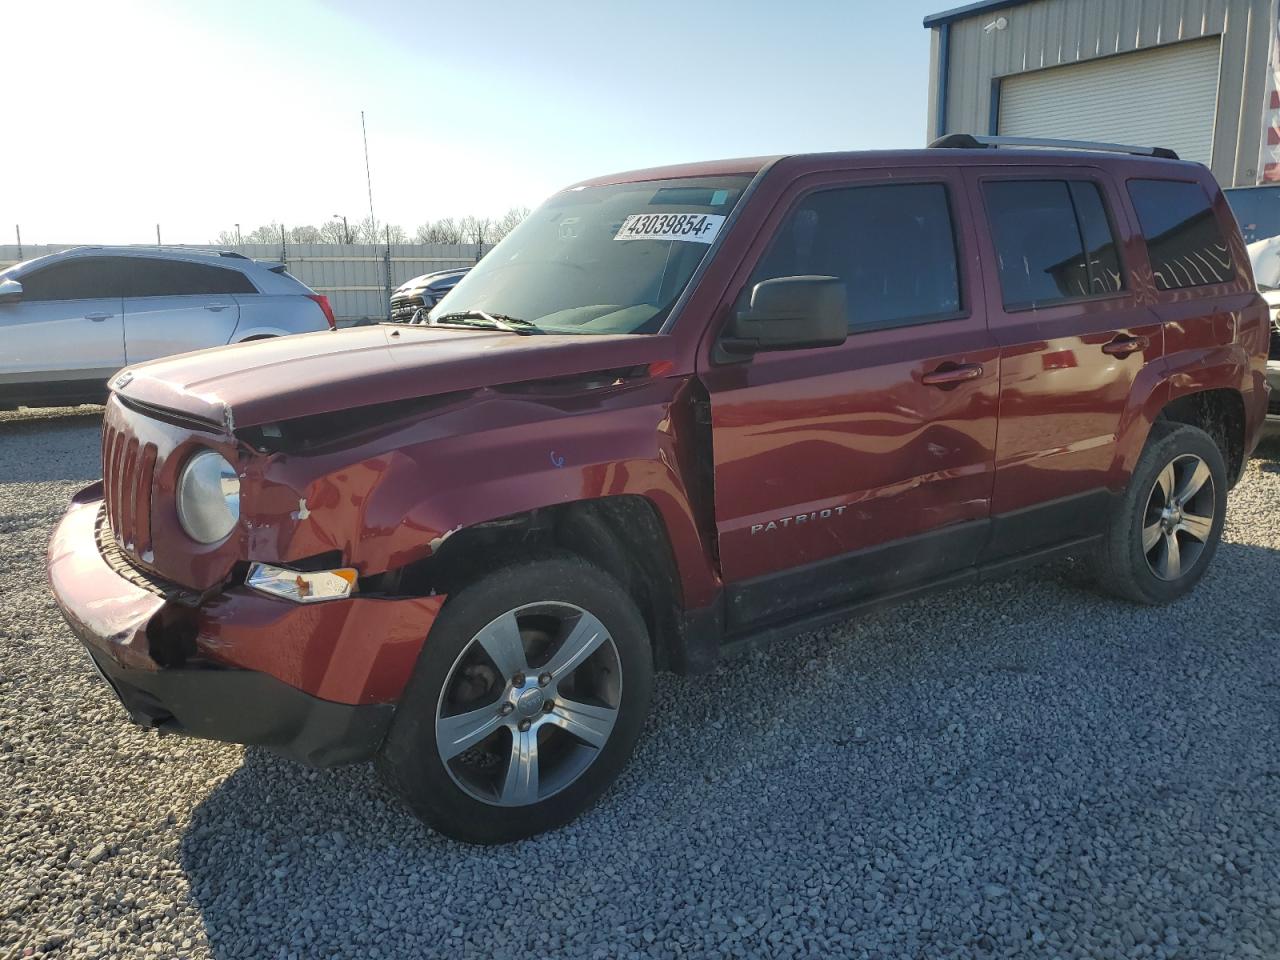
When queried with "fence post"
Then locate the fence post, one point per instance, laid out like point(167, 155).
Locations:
point(387, 261)
point(284, 256)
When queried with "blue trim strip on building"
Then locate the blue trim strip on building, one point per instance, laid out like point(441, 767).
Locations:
point(968, 10)
point(944, 73)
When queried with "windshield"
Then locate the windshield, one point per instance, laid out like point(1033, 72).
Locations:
point(1257, 210)
point(597, 260)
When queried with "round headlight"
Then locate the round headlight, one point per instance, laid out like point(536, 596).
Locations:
point(208, 497)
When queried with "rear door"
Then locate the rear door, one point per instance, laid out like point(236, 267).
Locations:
point(850, 471)
point(174, 306)
point(1073, 339)
point(67, 330)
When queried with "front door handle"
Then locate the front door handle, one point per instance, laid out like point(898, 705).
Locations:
point(215, 307)
point(1123, 346)
point(98, 317)
point(948, 375)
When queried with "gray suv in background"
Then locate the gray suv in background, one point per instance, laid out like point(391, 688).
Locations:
point(69, 320)
point(423, 293)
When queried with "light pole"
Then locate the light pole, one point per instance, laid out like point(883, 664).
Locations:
point(239, 242)
point(346, 231)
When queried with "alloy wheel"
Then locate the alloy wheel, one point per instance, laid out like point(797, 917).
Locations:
point(1178, 521)
point(529, 704)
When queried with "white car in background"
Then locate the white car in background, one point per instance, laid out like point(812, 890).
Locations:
point(69, 320)
point(1264, 257)
point(1257, 210)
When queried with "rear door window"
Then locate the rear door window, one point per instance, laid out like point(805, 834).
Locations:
point(148, 277)
point(79, 278)
point(1099, 239)
point(1184, 240)
point(893, 246)
point(1053, 241)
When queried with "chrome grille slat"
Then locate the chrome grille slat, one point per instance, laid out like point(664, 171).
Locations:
point(146, 476)
point(109, 476)
point(129, 493)
point(128, 475)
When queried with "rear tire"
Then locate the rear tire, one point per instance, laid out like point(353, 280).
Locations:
point(526, 702)
point(1165, 529)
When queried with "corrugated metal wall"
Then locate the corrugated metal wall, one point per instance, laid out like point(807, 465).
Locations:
point(1046, 33)
point(353, 276)
point(1166, 95)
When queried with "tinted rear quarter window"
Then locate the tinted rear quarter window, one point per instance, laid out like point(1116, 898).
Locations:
point(1053, 241)
point(893, 246)
point(148, 277)
point(1184, 241)
point(79, 278)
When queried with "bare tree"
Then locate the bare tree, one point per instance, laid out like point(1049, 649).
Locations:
point(445, 230)
point(369, 231)
point(332, 231)
point(469, 229)
point(475, 229)
point(508, 222)
point(267, 233)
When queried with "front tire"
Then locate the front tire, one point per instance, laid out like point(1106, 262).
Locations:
point(1166, 527)
point(526, 702)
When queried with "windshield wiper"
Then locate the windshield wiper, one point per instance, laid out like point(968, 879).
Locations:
point(499, 321)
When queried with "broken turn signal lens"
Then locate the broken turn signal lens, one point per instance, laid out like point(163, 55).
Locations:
point(302, 586)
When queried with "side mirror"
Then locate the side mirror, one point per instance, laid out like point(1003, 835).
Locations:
point(789, 313)
point(10, 291)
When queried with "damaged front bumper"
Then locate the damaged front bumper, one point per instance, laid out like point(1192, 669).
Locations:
point(317, 683)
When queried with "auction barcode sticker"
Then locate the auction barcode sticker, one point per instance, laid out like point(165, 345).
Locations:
point(694, 227)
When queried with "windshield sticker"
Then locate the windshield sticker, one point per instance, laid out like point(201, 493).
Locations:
point(693, 227)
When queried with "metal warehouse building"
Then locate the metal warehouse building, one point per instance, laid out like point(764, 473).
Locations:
point(1192, 75)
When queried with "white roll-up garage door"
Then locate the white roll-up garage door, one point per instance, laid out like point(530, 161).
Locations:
point(1163, 97)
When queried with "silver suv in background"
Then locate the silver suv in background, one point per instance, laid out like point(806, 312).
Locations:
point(69, 320)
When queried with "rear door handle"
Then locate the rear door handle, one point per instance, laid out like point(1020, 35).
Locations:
point(1123, 346)
point(98, 317)
point(215, 307)
point(948, 375)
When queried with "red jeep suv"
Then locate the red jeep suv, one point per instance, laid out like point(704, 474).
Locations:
point(676, 411)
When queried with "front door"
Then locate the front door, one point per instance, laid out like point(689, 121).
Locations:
point(843, 472)
point(65, 336)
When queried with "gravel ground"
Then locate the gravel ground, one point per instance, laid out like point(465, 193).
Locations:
point(1030, 769)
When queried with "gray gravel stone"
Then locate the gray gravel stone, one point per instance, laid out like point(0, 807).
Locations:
point(1026, 768)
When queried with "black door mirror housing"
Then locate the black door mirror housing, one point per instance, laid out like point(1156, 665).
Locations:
point(788, 313)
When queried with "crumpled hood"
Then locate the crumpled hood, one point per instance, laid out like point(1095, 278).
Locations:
point(249, 384)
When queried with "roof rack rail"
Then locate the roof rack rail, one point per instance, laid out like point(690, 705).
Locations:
point(967, 141)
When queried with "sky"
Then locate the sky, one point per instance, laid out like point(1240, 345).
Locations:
point(121, 115)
